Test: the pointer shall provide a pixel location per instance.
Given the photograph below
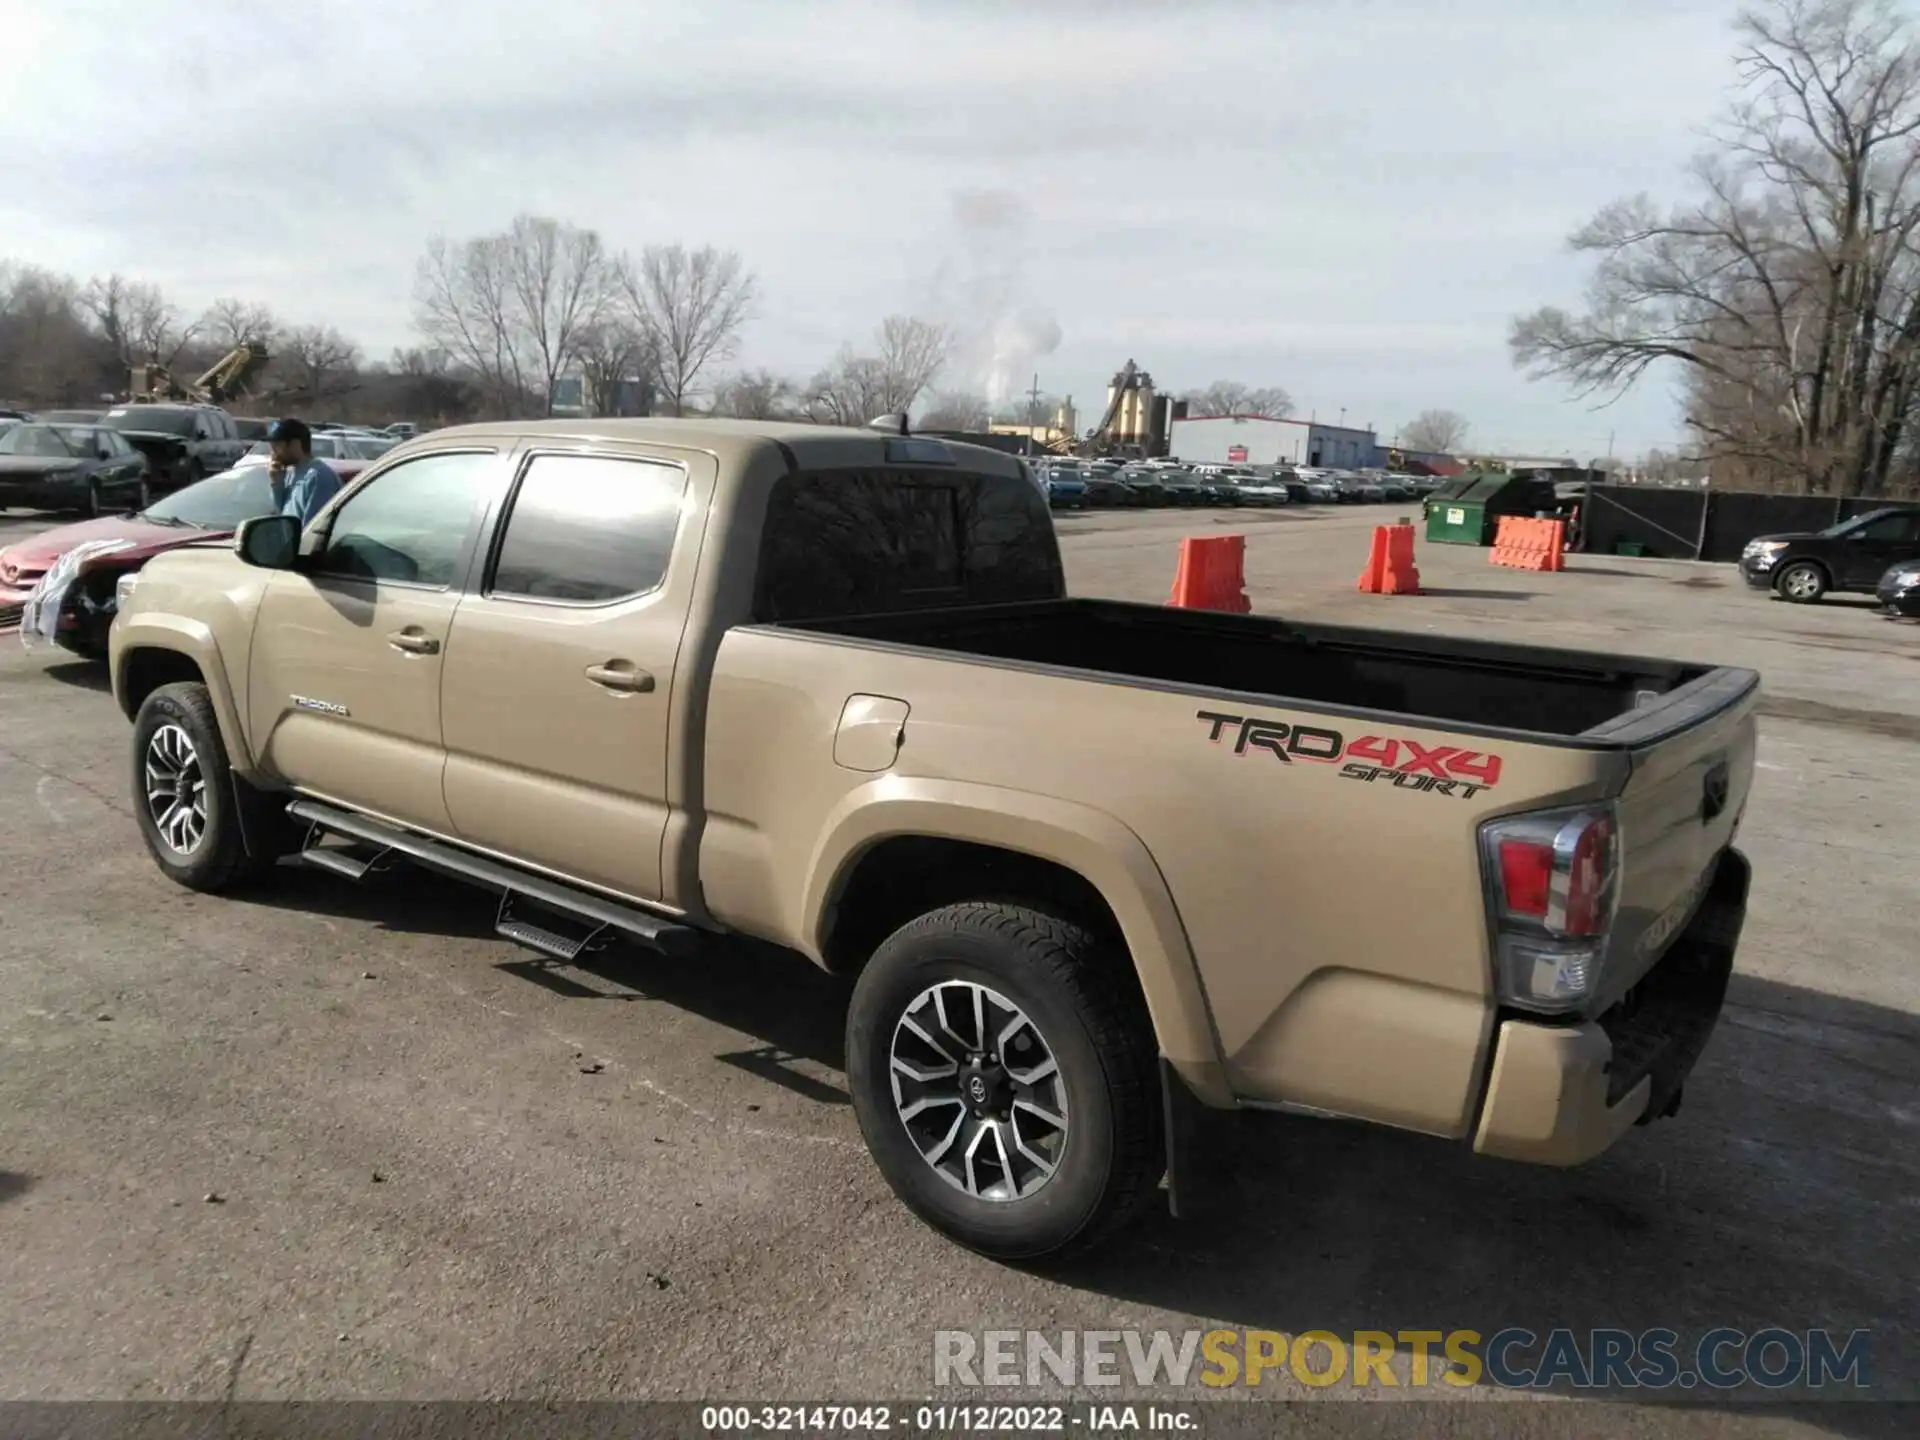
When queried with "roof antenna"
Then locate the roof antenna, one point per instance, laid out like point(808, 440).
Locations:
point(889, 424)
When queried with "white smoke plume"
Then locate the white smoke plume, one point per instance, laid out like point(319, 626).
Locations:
point(1001, 330)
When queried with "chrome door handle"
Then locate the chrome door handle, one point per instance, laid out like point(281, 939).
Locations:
point(620, 675)
point(412, 642)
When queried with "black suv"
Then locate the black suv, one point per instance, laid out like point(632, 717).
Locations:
point(1852, 555)
point(182, 443)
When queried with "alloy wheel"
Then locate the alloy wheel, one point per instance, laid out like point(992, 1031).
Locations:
point(1801, 582)
point(176, 790)
point(979, 1091)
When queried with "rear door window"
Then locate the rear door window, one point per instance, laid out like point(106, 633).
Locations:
point(589, 529)
point(1898, 529)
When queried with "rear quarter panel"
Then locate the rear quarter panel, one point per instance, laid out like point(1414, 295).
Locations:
point(1334, 922)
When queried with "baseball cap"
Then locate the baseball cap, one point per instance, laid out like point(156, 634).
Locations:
point(290, 429)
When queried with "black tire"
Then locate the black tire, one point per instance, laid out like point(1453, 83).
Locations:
point(219, 859)
point(1076, 993)
point(1804, 582)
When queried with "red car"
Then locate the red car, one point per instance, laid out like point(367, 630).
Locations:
point(208, 511)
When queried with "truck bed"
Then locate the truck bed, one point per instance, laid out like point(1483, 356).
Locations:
point(1572, 696)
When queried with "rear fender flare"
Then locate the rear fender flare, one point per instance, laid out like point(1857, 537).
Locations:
point(1091, 843)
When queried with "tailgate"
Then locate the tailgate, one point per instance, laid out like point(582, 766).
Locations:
point(1692, 756)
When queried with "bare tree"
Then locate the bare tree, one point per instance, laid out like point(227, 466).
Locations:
point(613, 353)
point(1788, 290)
point(691, 304)
point(851, 391)
point(908, 353)
point(105, 300)
point(155, 326)
point(1230, 397)
point(559, 280)
point(464, 305)
point(47, 353)
point(137, 320)
point(911, 353)
point(957, 410)
point(754, 395)
point(1436, 432)
point(321, 361)
point(427, 385)
point(230, 323)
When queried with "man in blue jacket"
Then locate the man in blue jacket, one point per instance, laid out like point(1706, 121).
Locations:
point(301, 484)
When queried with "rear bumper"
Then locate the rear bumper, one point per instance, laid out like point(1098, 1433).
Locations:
point(1562, 1094)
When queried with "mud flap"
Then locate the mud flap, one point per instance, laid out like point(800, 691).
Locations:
point(1199, 1152)
point(267, 833)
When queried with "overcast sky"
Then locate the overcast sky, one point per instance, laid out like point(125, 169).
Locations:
point(1348, 198)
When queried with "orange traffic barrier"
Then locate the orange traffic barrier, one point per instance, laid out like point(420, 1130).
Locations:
point(1390, 568)
point(1523, 543)
point(1212, 575)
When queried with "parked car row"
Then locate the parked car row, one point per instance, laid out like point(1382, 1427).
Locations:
point(96, 461)
point(1079, 485)
point(207, 511)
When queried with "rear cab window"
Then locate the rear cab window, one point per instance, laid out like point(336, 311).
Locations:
point(886, 539)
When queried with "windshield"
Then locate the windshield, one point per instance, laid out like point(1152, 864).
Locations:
point(41, 441)
point(158, 418)
point(219, 503)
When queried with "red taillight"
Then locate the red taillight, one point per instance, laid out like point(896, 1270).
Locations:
point(1589, 877)
point(1555, 870)
point(1526, 874)
point(1551, 881)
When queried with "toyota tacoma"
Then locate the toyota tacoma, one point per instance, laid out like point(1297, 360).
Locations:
point(1098, 867)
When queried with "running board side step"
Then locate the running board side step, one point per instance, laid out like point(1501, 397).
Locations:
point(600, 914)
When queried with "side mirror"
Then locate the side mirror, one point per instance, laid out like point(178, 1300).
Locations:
point(270, 541)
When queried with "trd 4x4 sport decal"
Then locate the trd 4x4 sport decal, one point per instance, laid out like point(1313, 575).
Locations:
point(1402, 763)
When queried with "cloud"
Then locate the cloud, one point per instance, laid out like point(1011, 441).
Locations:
point(1347, 200)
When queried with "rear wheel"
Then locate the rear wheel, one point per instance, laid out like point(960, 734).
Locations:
point(1005, 1082)
point(1802, 582)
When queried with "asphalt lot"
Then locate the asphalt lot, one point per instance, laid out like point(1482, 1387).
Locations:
point(444, 1170)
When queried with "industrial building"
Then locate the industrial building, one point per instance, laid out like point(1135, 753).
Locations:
point(1257, 440)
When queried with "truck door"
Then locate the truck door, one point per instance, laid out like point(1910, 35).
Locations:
point(344, 683)
point(561, 673)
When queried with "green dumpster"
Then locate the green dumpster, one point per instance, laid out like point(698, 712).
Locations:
point(1468, 511)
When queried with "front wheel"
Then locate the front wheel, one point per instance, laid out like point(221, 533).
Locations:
point(1802, 582)
point(184, 793)
point(1003, 1071)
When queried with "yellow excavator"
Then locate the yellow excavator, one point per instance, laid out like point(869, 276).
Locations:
point(225, 378)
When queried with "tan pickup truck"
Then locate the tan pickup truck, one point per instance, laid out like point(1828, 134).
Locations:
point(1097, 865)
